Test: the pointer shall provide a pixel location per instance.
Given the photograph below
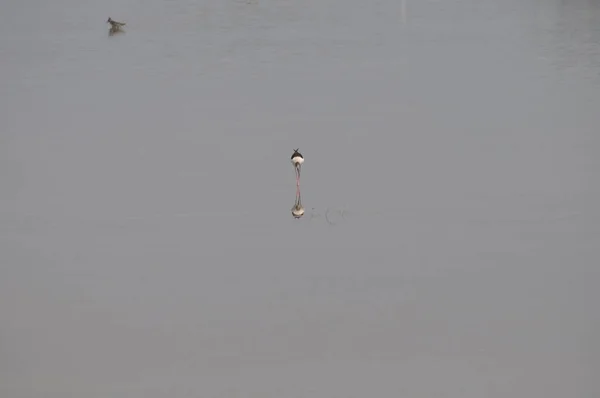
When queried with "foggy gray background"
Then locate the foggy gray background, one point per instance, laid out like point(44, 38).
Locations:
point(147, 248)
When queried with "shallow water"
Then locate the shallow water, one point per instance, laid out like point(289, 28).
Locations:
point(147, 247)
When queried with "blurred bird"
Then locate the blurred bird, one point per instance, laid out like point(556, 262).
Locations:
point(297, 160)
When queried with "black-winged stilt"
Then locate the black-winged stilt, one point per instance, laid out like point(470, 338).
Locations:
point(297, 160)
point(115, 24)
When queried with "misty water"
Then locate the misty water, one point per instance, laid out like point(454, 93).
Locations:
point(451, 240)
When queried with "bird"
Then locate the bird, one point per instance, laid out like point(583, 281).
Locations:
point(114, 24)
point(297, 160)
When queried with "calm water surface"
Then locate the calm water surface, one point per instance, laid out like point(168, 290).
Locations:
point(450, 246)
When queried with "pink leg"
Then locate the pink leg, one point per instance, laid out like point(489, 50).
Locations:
point(297, 176)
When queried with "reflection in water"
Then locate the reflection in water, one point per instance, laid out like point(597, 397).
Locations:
point(298, 209)
point(113, 31)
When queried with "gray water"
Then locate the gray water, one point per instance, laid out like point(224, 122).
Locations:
point(451, 241)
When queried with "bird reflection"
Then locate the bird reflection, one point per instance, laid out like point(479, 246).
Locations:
point(113, 31)
point(298, 209)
